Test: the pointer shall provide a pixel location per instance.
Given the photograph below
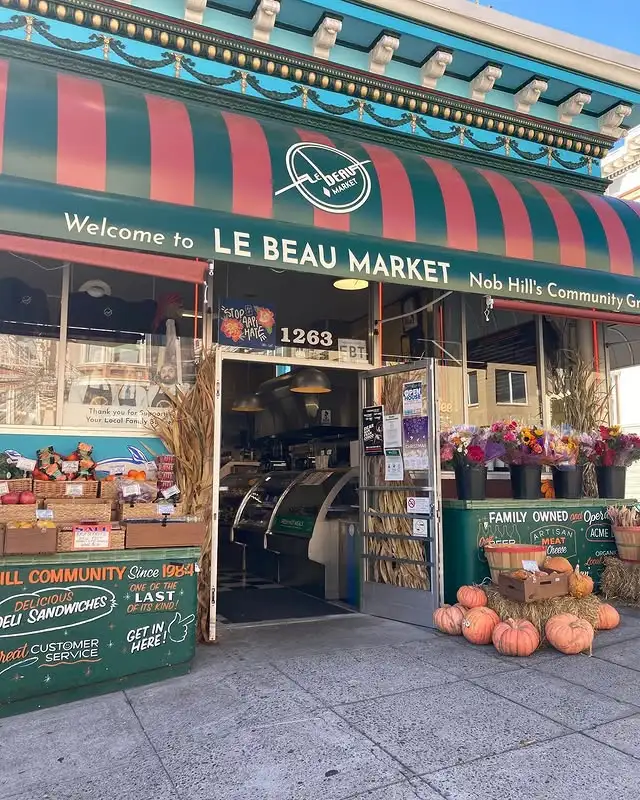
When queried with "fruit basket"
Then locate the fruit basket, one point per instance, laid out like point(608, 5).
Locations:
point(17, 485)
point(18, 513)
point(150, 511)
point(68, 540)
point(53, 489)
point(80, 511)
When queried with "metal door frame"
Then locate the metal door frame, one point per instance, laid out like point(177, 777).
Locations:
point(409, 605)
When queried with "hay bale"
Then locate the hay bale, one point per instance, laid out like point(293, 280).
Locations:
point(540, 611)
point(621, 581)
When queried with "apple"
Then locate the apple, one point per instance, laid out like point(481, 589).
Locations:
point(27, 498)
point(10, 499)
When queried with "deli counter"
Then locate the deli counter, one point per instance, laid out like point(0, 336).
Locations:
point(289, 528)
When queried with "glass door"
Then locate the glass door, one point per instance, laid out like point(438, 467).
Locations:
point(400, 517)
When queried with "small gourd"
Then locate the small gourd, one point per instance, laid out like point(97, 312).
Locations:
point(558, 564)
point(580, 585)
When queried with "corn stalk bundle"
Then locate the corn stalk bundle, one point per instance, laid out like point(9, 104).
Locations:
point(186, 430)
point(393, 502)
point(624, 516)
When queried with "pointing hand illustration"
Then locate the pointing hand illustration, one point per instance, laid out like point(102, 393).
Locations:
point(179, 627)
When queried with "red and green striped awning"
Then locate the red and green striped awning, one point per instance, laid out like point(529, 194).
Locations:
point(102, 163)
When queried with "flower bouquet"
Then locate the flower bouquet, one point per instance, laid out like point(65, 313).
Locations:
point(526, 449)
point(567, 460)
point(611, 451)
point(466, 450)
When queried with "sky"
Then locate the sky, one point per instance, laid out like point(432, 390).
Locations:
point(620, 27)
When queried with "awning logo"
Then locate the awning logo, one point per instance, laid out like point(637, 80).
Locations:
point(327, 178)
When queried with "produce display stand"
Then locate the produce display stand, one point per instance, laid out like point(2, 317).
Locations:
point(78, 624)
point(579, 530)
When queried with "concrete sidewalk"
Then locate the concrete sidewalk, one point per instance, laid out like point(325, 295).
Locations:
point(349, 707)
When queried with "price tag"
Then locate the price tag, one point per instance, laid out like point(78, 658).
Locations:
point(166, 510)
point(44, 513)
point(172, 491)
point(4, 488)
point(530, 566)
point(116, 470)
point(26, 464)
point(70, 467)
point(131, 490)
point(74, 490)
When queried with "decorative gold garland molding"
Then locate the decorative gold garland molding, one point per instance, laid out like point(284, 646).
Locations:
point(215, 46)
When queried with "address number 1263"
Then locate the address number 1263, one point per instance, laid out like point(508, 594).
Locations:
point(300, 336)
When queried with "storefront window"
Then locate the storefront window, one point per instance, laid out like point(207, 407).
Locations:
point(446, 347)
point(30, 291)
point(502, 365)
point(289, 314)
point(130, 343)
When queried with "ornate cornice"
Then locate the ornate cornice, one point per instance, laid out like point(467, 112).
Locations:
point(186, 39)
point(213, 94)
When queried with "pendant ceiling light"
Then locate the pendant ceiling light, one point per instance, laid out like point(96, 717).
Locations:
point(249, 403)
point(350, 284)
point(310, 381)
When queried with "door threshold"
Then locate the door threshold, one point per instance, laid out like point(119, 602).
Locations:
point(288, 621)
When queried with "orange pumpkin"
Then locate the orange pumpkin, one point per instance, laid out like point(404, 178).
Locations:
point(608, 617)
point(449, 619)
point(462, 608)
point(580, 585)
point(515, 637)
point(557, 564)
point(478, 625)
point(471, 597)
point(569, 634)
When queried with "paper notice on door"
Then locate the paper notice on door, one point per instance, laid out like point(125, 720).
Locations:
point(393, 431)
point(393, 466)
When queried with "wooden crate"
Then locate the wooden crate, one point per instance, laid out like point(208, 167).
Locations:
point(173, 534)
point(79, 538)
point(65, 489)
point(18, 513)
point(29, 541)
point(539, 586)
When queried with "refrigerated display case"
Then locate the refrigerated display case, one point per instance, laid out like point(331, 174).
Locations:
point(260, 504)
point(233, 489)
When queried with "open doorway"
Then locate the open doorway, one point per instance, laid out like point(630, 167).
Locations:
point(288, 493)
point(292, 346)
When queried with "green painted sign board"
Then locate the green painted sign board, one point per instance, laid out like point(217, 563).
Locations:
point(580, 533)
point(93, 618)
point(294, 523)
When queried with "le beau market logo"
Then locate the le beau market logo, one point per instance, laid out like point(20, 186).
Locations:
point(327, 178)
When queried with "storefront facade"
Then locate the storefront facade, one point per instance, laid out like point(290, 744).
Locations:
point(161, 159)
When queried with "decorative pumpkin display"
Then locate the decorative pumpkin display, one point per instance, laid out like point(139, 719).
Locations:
point(478, 625)
point(515, 637)
point(558, 564)
point(462, 608)
point(569, 634)
point(608, 617)
point(471, 597)
point(580, 585)
point(449, 619)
